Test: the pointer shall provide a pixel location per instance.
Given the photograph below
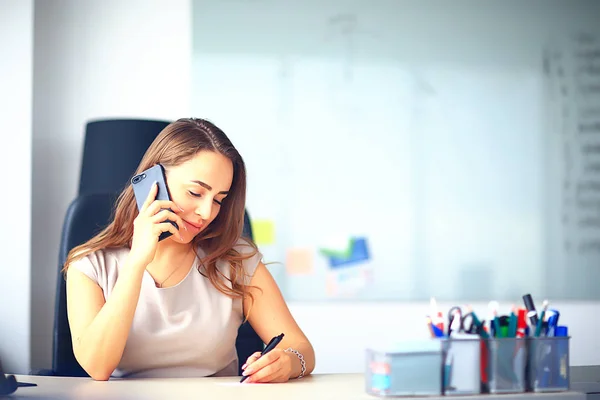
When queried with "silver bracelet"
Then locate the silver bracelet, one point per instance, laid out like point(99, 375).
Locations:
point(301, 358)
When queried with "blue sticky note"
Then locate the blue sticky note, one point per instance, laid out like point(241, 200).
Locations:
point(357, 253)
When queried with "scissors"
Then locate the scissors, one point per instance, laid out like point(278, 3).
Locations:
point(466, 322)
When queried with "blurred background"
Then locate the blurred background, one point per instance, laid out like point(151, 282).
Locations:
point(458, 141)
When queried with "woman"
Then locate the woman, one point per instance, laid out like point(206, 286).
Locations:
point(140, 307)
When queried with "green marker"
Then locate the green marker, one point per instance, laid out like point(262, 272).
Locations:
point(512, 323)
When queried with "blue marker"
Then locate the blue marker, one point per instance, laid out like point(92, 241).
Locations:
point(561, 331)
point(437, 331)
point(552, 322)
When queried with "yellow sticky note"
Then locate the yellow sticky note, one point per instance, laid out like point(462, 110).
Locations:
point(299, 261)
point(263, 231)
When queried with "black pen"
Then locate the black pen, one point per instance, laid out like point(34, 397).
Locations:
point(272, 344)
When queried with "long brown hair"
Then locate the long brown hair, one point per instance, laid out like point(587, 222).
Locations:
point(176, 144)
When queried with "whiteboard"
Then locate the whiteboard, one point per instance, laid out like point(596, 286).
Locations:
point(435, 130)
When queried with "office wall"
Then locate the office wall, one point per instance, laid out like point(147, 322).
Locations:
point(93, 59)
point(431, 127)
point(16, 47)
point(435, 129)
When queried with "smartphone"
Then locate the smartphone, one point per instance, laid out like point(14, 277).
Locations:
point(142, 183)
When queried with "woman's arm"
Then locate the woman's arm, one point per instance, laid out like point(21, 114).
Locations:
point(270, 316)
point(100, 329)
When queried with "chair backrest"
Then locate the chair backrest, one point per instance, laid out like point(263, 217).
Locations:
point(123, 142)
point(86, 216)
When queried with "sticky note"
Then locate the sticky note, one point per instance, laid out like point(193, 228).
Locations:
point(263, 231)
point(338, 247)
point(330, 285)
point(299, 261)
point(356, 252)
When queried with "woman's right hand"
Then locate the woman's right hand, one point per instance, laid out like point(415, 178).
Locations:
point(150, 224)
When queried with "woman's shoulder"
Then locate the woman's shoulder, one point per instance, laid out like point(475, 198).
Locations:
point(107, 255)
point(250, 256)
point(245, 247)
point(100, 262)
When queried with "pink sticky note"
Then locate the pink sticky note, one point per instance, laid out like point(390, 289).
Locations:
point(299, 261)
point(330, 286)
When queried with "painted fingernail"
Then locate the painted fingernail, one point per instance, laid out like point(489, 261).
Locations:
point(247, 372)
point(244, 366)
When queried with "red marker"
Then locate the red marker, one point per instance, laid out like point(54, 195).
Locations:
point(521, 322)
point(440, 321)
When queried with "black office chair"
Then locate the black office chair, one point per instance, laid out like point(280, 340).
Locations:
point(123, 141)
point(85, 217)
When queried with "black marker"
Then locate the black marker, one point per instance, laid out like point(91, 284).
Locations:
point(531, 312)
point(272, 344)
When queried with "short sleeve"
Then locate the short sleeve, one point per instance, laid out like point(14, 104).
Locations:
point(254, 257)
point(86, 266)
point(98, 266)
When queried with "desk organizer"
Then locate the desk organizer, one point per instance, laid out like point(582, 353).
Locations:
point(504, 361)
point(462, 365)
point(548, 364)
point(405, 369)
point(469, 365)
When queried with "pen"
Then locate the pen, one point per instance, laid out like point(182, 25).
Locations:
point(552, 322)
point(538, 327)
point(437, 331)
point(532, 314)
point(495, 327)
point(521, 323)
point(430, 326)
point(512, 325)
point(436, 315)
point(477, 323)
point(272, 344)
point(433, 329)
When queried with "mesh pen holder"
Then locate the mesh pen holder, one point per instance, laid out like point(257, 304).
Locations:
point(548, 364)
point(504, 361)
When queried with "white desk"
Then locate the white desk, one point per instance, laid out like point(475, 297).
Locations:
point(335, 386)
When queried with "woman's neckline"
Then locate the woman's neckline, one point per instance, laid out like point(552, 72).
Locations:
point(199, 253)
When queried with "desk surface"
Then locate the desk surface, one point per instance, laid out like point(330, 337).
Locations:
point(334, 386)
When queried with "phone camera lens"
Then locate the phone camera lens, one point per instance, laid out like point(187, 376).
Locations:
point(136, 179)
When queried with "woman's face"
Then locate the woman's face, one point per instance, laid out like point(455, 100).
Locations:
point(198, 186)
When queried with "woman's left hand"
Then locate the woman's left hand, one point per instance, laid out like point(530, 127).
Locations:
point(273, 367)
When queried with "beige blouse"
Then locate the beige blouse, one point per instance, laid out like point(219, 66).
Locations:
point(187, 330)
